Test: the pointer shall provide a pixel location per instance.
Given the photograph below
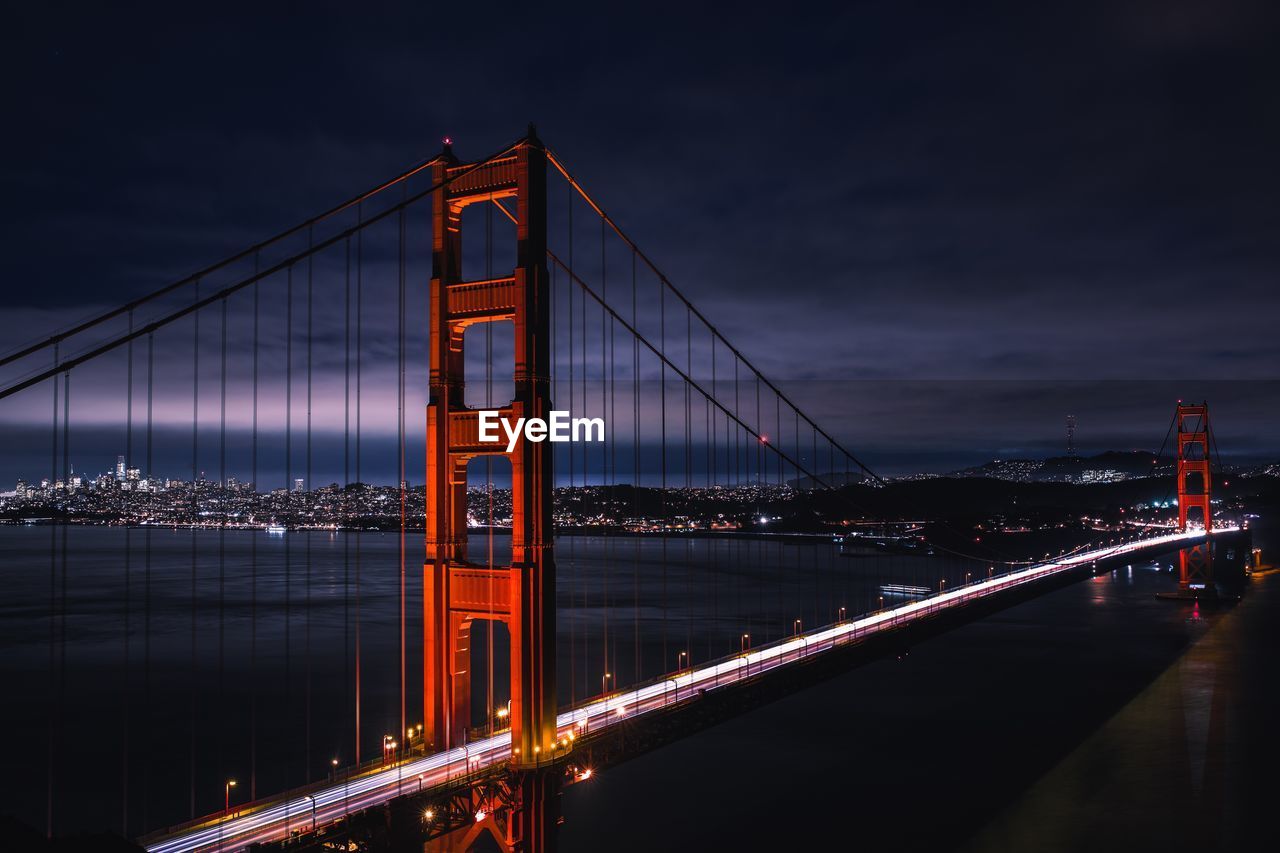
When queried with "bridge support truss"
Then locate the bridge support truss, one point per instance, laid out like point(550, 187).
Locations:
point(520, 812)
point(458, 591)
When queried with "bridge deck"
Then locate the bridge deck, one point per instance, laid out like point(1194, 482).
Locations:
point(275, 821)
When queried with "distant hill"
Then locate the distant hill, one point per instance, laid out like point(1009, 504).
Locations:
point(829, 478)
point(1113, 466)
point(1271, 469)
point(1110, 467)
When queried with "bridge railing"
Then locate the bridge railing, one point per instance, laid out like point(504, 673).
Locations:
point(339, 776)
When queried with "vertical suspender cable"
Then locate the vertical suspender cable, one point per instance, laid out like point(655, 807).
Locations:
point(224, 497)
point(604, 467)
point(128, 604)
point(195, 520)
point(759, 482)
point(146, 581)
point(358, 488)
point(613, 456)
point(309, 521)
point(847, 601)
point(573, 632)
point(817, 597)
point(711, 482)
point(53, 616)
point(688, 483)
point(400, 452)
point(784, 618)
point(662, 337)
point(253, 559)
point(62, 581)
point(347, 698)
point(737, 484)
point(554, 350)
point(556, 381)
point(579, 574)
point(635, 467)
point(288, 521)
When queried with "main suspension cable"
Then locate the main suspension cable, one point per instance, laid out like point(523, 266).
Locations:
point(666, 282)
point(282, 265)
point(253, 250)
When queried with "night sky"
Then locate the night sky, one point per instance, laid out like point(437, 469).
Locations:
point(1026, 211)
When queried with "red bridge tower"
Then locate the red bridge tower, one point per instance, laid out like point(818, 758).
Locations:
point(1194, 489)
point(457, 591)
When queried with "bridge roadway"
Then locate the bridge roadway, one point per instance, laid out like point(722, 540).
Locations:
point(326, 804)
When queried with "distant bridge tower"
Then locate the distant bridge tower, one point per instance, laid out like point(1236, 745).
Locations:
point(455, 590)
point(1194, 491)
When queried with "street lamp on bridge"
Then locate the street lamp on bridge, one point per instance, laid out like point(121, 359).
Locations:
point(311, 800)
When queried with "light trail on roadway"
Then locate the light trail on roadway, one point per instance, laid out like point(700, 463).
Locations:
point(327, 804)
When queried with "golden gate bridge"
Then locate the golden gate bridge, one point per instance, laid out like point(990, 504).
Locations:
point(296, 353)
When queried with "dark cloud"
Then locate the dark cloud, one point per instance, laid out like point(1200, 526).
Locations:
point(890, 191)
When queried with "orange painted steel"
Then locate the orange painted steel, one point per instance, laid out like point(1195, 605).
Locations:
point(1195, 563)
point(457, 591)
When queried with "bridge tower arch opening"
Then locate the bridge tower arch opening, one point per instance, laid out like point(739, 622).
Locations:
point(457, 590)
